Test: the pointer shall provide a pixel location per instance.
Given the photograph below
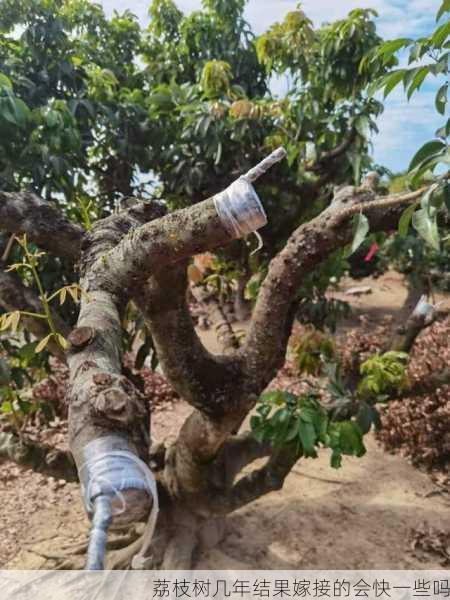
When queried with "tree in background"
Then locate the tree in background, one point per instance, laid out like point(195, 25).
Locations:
point(90, 105)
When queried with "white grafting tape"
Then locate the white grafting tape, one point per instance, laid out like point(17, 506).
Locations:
point(112, 468)
point(240, 209)
point(113, 480)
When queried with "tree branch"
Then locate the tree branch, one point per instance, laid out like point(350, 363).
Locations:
point(146, 249)
point(44, 224)
point(199, 377)
point(327, 157)
point(265, 345)
point(238, 452)
point(101, 400)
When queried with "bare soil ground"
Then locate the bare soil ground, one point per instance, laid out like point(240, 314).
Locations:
point(362, 516)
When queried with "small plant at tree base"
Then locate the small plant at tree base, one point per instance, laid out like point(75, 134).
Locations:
point(383, 375)
point(303, 424)
point(309, 349)
point(22, 368)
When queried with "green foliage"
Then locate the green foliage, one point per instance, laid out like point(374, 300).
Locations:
point(383, 375)
point(309, 349)
point(220, 277)
point(19, 368)
point(216, 78)
point(30, 265)
point(300, 422)
point(88, 105)
point(428, 56)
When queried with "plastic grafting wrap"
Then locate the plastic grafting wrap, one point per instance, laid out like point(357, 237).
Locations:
point(424, 308)
point(240, 209)
point(111, 469)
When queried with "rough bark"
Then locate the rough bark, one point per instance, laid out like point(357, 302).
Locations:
point(265, 345)
point(44, 224)
point(101, 399)
point(219, 319)
point(146, 249)
point(198, 376)
point(258, 482)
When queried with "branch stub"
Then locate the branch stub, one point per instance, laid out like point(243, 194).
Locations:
point(80, 337)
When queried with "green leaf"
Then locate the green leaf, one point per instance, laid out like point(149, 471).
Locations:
point(426, 201)
point(294, 430)
point(6, 407)
point(5, 82)
point(440, 35)
point(308, 438)
point(43, 343)
point(444, 131)
point(366, 417)
point(391, 81)
point(391, 47)
point(427, 150)
point(350, 439)
point(360, 229)
point(405, 220)
point(417, 80)
point(362, 125)
point(445, 7)
point(441, 99)
point(336, 459)
point(426, 226)
point(255, 422)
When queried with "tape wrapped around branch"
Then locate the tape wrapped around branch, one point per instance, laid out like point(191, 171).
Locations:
point(239, 207)
point(116, 486)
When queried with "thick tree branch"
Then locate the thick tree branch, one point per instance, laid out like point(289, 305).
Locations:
point(102, 401)
point(146, 249)
point(44, 224)
point(199, 377)
point(265, 345)
point(326, 157)
point(238, 452)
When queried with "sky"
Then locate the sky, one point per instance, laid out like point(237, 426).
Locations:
point(404, 126)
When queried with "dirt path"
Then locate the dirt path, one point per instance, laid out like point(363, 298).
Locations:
point(360, 517)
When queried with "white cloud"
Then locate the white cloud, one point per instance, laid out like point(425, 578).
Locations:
point(404, 127)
